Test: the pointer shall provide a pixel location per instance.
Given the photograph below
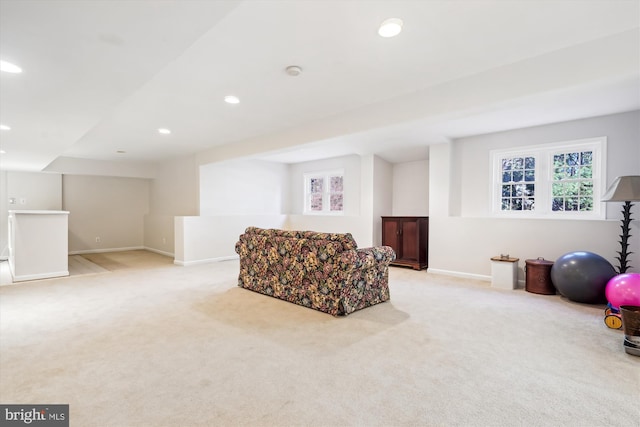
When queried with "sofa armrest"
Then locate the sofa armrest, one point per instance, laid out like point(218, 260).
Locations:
point(365, 258)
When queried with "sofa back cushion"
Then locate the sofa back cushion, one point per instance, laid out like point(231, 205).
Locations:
point(345, 240)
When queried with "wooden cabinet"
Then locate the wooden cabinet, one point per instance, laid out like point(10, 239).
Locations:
point(409, 238)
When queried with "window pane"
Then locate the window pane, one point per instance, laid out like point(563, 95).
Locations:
point(530, 190)
point(573, 159)
point(586, 172)
point(586, 188)
point(529, 204)
point(571, 204)
point(317, 185)
point(571, 188)
point(557, 204)
point(558, 173)
point(530, 163)
point(506, 164)
point(586, 158)
point(316, 201)
point(506, 204)
point(557, 190)
point(506, 190)
point(558, 160)
point(586, 204)
point(516, 204)
point(506, 176)
point(336, 184)
point(529, 175)
point(518, 176)
point(336, 202)
point(518, 163)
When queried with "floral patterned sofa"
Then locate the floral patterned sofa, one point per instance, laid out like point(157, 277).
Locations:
point(323, 271)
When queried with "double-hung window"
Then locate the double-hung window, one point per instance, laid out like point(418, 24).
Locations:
point(324, 192)
point(559, 180)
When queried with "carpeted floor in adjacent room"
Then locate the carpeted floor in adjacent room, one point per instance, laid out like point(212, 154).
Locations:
point(163, 345)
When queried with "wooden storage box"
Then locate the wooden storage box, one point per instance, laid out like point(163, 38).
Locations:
point(538, 276)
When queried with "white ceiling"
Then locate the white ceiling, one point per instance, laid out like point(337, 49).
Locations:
point(103, 76)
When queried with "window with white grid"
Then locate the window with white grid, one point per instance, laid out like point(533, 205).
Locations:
point(559, 180)
point(324, 192)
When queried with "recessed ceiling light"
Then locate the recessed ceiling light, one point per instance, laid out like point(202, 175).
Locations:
point(231, 99)
point(8, 67)
point(3, 152)
point(164, 131)
point(4, 127)
point(293, 70)
point(390, 27)
point(121, 152)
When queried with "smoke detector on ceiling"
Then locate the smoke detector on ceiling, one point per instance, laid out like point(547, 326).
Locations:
point(293, 70)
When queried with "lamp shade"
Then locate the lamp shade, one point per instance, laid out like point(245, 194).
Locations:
point(623, 189)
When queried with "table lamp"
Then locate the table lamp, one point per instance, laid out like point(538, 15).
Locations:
point(624, 189)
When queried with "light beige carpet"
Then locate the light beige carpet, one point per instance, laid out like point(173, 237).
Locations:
point(184, 346)
point(124, 260)
point(79, 265)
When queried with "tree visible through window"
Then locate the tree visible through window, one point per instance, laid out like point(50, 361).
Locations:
point(572, 188)
point(324, 192)
point(518, 183)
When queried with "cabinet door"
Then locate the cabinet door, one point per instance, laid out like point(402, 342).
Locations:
point(409, 234)
point(391, 235)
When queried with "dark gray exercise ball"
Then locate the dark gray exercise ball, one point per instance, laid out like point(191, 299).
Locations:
point(582, 277)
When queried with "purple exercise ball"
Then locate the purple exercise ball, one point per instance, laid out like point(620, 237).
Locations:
point(624, 289)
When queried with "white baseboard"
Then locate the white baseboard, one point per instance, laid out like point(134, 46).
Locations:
point(158, 251)
point(99, 251)
point(205, 261)
point(459, 274)
point(25, 277)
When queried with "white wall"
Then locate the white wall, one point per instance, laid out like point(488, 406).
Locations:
point(354, 220)
point(110, 208)
point(352, 183)
point(234, 195)
point(464, 244)
point(31, 190)
point(246, 187)
point(173, 192)
point(36, 190)
point(411, 188)
point(201, 239)
point(382, 197)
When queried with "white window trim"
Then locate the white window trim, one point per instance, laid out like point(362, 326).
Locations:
point(325, 202)
point(544, 178)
